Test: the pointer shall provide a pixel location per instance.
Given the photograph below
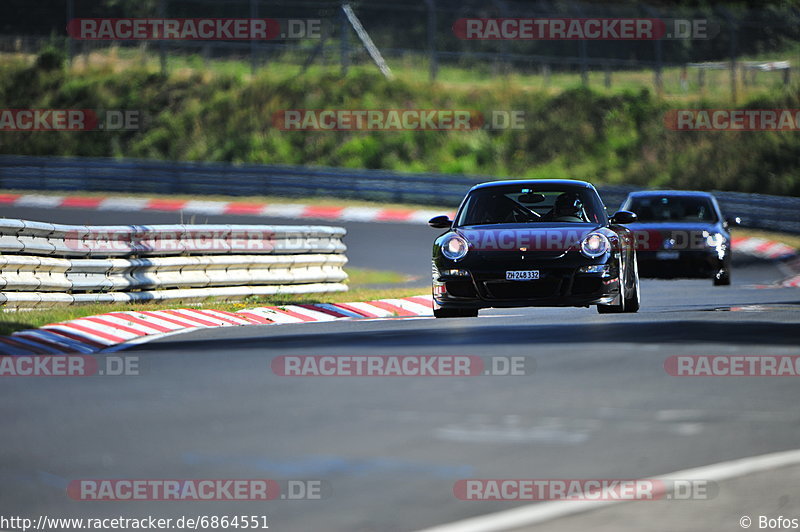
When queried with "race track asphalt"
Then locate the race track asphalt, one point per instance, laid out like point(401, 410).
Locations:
point(598, 404)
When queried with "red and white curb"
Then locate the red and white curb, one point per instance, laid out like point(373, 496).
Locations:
point(770, 250)
point(792, 281)
point(273, 210)
point(762, 248)
point(108, 332)
point(767, 249)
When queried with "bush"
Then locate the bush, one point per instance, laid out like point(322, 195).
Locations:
point(51, 58)
point(578, 133)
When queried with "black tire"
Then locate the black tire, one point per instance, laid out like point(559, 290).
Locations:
point(626, 304)
point(723, 280)
point(723, 277)
point(612, 309)
point(633, 303)
point(455, 313)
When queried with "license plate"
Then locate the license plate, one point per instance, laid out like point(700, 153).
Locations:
point(522, 275)
point(668, 255)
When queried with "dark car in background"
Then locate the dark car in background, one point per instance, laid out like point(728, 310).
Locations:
point(534, 243)
point(681, 234)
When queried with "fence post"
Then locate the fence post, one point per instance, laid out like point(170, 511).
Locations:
point(504, 45)
point(206, 55)
point(432, 58)
point(344, 50)
point(70, 44)
point(731, 22)
point(253, 16)
point(658, 78)
point(162, 47)
point(582, 46)
point(659, 51)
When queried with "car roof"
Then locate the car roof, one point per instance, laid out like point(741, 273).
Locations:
point(534, 183)
point(698, 193)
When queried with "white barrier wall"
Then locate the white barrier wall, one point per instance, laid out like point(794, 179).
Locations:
point(44, 264)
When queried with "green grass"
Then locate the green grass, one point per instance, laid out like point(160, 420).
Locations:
point(605, 136)
point(414, 68)
point(360, 277)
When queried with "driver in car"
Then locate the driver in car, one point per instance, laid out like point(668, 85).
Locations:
point(567, 208)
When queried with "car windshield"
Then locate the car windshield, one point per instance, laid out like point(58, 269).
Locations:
point(530, 204)
point(669, 208)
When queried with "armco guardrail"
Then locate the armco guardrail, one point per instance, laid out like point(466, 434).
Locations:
point(759, 211)
point(43, 264)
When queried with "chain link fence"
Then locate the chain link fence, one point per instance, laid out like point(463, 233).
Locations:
point(423, 35)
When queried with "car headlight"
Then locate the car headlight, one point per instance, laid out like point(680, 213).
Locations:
point(714, 239)
point(595, 245)
point(454, 247)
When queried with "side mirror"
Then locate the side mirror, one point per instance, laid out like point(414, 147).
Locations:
point(733, 222)
point(624, 217)
point(440, 222)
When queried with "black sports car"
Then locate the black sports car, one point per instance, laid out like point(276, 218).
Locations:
point(681, 234)
point(533, 243)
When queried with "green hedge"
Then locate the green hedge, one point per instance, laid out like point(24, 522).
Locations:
point(577, 133)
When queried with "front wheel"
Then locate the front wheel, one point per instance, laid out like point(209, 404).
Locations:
point(455, 313)
point(723, 278)
point(633, 302)
point(627, 303)
point(612, 309)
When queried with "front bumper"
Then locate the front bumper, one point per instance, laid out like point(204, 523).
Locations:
point(685, 264)
point(556, 287)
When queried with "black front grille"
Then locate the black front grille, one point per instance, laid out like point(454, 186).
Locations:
point(522, 289)
point(586, 285)
point(460, 289)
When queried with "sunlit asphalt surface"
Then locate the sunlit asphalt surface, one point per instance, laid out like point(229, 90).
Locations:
point(599, 403)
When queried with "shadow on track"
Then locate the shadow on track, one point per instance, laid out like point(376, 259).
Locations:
point(667, 332)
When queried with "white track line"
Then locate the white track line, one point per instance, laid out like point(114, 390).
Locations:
point(533, 514)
